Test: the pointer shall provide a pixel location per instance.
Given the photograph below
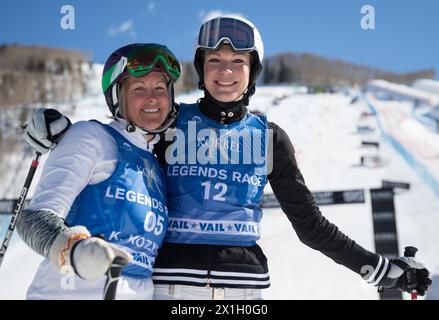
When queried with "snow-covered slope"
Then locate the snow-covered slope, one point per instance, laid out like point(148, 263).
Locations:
point(427, 85)
point(410, 136)
point(323, 129)
point(402, 92)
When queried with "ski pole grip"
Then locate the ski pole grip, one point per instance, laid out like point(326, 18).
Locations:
point(113, 274)
point(410, 252)
point(412, 283)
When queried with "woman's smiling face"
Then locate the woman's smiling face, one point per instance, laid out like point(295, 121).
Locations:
point(226, 73)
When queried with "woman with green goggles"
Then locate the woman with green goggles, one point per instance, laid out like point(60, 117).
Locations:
point(102, 186)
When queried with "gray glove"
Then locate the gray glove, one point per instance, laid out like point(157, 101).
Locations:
point(45, 128)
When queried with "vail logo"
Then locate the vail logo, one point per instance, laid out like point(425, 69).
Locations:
point(142, 260)
point(199, 226)
point(212, 227)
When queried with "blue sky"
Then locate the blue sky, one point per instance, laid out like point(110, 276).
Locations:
point(405, 37)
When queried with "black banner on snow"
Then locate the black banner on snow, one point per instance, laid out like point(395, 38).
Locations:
point(268, 201)
point(370, 144)
point(395, 184)
point(384, 229)
point(322, 198)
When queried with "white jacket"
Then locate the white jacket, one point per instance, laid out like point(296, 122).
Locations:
point(87, 154)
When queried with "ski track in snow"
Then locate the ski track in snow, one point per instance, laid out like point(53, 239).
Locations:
point(328, 149)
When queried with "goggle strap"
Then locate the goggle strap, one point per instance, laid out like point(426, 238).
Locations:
point(119, 68)
point(114, 94)
point(221, 29)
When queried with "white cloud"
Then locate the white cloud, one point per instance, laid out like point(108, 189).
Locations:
point(205, 16)
point(151, 6)
point(132, 35)
point(124, 27)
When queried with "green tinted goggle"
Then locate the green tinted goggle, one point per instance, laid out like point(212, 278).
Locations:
point(141, 61)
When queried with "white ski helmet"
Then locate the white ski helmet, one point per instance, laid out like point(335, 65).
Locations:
point(240, 33)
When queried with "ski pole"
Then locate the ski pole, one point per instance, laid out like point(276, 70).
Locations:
point(411, 274)
point(113, 275)
point(19, 206)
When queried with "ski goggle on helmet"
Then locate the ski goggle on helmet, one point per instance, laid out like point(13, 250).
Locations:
point(138, 60)
point(239, 32)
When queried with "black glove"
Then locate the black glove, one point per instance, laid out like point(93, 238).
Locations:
point(397, 276)
point(45, 128)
